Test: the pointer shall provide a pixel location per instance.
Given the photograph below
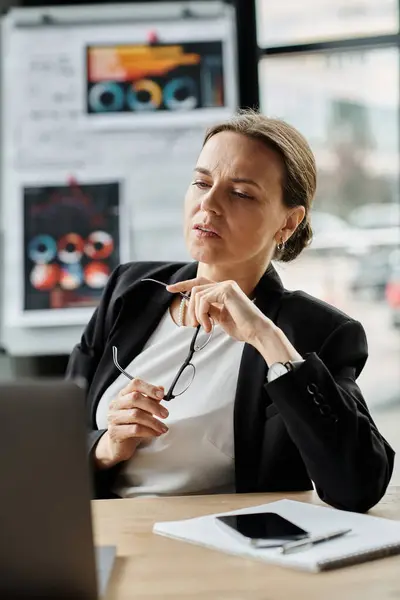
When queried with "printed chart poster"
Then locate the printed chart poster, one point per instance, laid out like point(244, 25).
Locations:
point(161, 77)
point(71, 241)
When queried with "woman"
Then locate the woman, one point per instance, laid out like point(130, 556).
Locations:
point(271, 401)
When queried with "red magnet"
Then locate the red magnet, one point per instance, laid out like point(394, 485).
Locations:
point(72, 181)
point(152, 37)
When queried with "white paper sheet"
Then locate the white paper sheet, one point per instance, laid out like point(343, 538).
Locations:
point(368, 535)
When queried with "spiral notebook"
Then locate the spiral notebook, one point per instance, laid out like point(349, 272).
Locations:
point(370, 537)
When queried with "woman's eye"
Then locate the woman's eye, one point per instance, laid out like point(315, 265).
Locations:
point(242, 195)
point(201, 184)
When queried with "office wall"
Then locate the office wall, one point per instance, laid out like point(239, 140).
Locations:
point(6, 369)
point(46, 148)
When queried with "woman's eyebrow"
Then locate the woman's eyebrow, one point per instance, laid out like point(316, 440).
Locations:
point(245, 180)
point(204, 171)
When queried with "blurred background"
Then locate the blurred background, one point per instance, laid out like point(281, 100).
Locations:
point(330, 68)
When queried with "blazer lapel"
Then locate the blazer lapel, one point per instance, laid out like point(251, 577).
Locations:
point(251, 400)
point(143, 306)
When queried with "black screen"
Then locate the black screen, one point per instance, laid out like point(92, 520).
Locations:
point(264, 526)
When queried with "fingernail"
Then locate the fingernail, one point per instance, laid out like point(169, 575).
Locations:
point(164, 412)
point(160, 394)
point(164, 428)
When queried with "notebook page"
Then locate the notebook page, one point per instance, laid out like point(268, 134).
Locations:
point(368, 533)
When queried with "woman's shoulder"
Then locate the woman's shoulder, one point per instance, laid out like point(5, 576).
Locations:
point(305, 307)
point(316, 326)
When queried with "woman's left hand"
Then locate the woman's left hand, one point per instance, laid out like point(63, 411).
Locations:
point(226, 304)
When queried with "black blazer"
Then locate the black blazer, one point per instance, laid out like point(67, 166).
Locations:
point(311, 424)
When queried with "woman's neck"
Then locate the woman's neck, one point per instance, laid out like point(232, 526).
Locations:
point(246, 276)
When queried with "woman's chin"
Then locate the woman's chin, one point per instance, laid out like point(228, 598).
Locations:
point(205, 255)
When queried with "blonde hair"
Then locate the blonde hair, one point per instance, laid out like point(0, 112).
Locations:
point(300, 172)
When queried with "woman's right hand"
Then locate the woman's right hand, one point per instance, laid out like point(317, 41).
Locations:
point(131, 418)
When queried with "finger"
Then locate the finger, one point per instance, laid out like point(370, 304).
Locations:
point(217, 293)
point(137, 400)
point(188, 285)
point(138, 385)
point(191, 308)
point(138, 417)
point(216, 313)
point(198, 292)
point(202, 311)
point(129, 432)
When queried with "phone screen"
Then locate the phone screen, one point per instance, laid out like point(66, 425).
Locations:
point(266, 526)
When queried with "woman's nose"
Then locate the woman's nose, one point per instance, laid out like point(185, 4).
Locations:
point(210, 202)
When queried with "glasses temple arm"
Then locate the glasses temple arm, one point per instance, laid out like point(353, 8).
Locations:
point(116, 363)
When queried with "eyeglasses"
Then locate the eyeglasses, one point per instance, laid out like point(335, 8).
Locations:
point(187, 372)
point(186, 296)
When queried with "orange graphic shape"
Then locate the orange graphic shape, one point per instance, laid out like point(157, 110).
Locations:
point(129, 63)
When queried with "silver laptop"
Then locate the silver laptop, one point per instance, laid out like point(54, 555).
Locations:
point(46, 543)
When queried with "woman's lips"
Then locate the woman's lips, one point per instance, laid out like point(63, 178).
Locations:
point(202, 231)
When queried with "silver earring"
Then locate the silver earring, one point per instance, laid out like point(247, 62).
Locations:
point(281, 246)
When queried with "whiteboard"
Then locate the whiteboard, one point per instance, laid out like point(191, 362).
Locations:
point(115, 99)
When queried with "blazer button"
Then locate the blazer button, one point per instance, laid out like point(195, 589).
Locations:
point(312, 389)
point(318, 399)
point(325, 410)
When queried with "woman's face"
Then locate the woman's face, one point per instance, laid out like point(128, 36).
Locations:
point(233, 207)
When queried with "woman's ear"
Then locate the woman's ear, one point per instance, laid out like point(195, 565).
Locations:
point(293, 219)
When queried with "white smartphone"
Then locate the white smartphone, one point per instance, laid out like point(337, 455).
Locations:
point(261, 530)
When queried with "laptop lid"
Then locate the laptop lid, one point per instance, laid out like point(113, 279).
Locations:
point(46, 543)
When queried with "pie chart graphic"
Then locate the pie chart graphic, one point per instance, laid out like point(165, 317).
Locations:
point(144, 95)
point(99, 245)
point(71, 276)
point(181, 94)
point(70, 248)
point(106, 96)
point(45, 277)
point(96, 275)
point(42, 249)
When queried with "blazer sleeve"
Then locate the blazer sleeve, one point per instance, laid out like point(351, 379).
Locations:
point(82, 366)
point(328, 420)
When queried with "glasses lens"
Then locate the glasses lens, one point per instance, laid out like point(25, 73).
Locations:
point(203, 338)
point(184, 380)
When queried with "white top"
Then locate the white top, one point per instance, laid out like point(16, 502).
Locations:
point(196, 455)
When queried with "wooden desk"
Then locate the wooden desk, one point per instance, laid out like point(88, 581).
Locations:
point(149, 566)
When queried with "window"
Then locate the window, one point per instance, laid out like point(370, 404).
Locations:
point(346, 103)
point(295, 22)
